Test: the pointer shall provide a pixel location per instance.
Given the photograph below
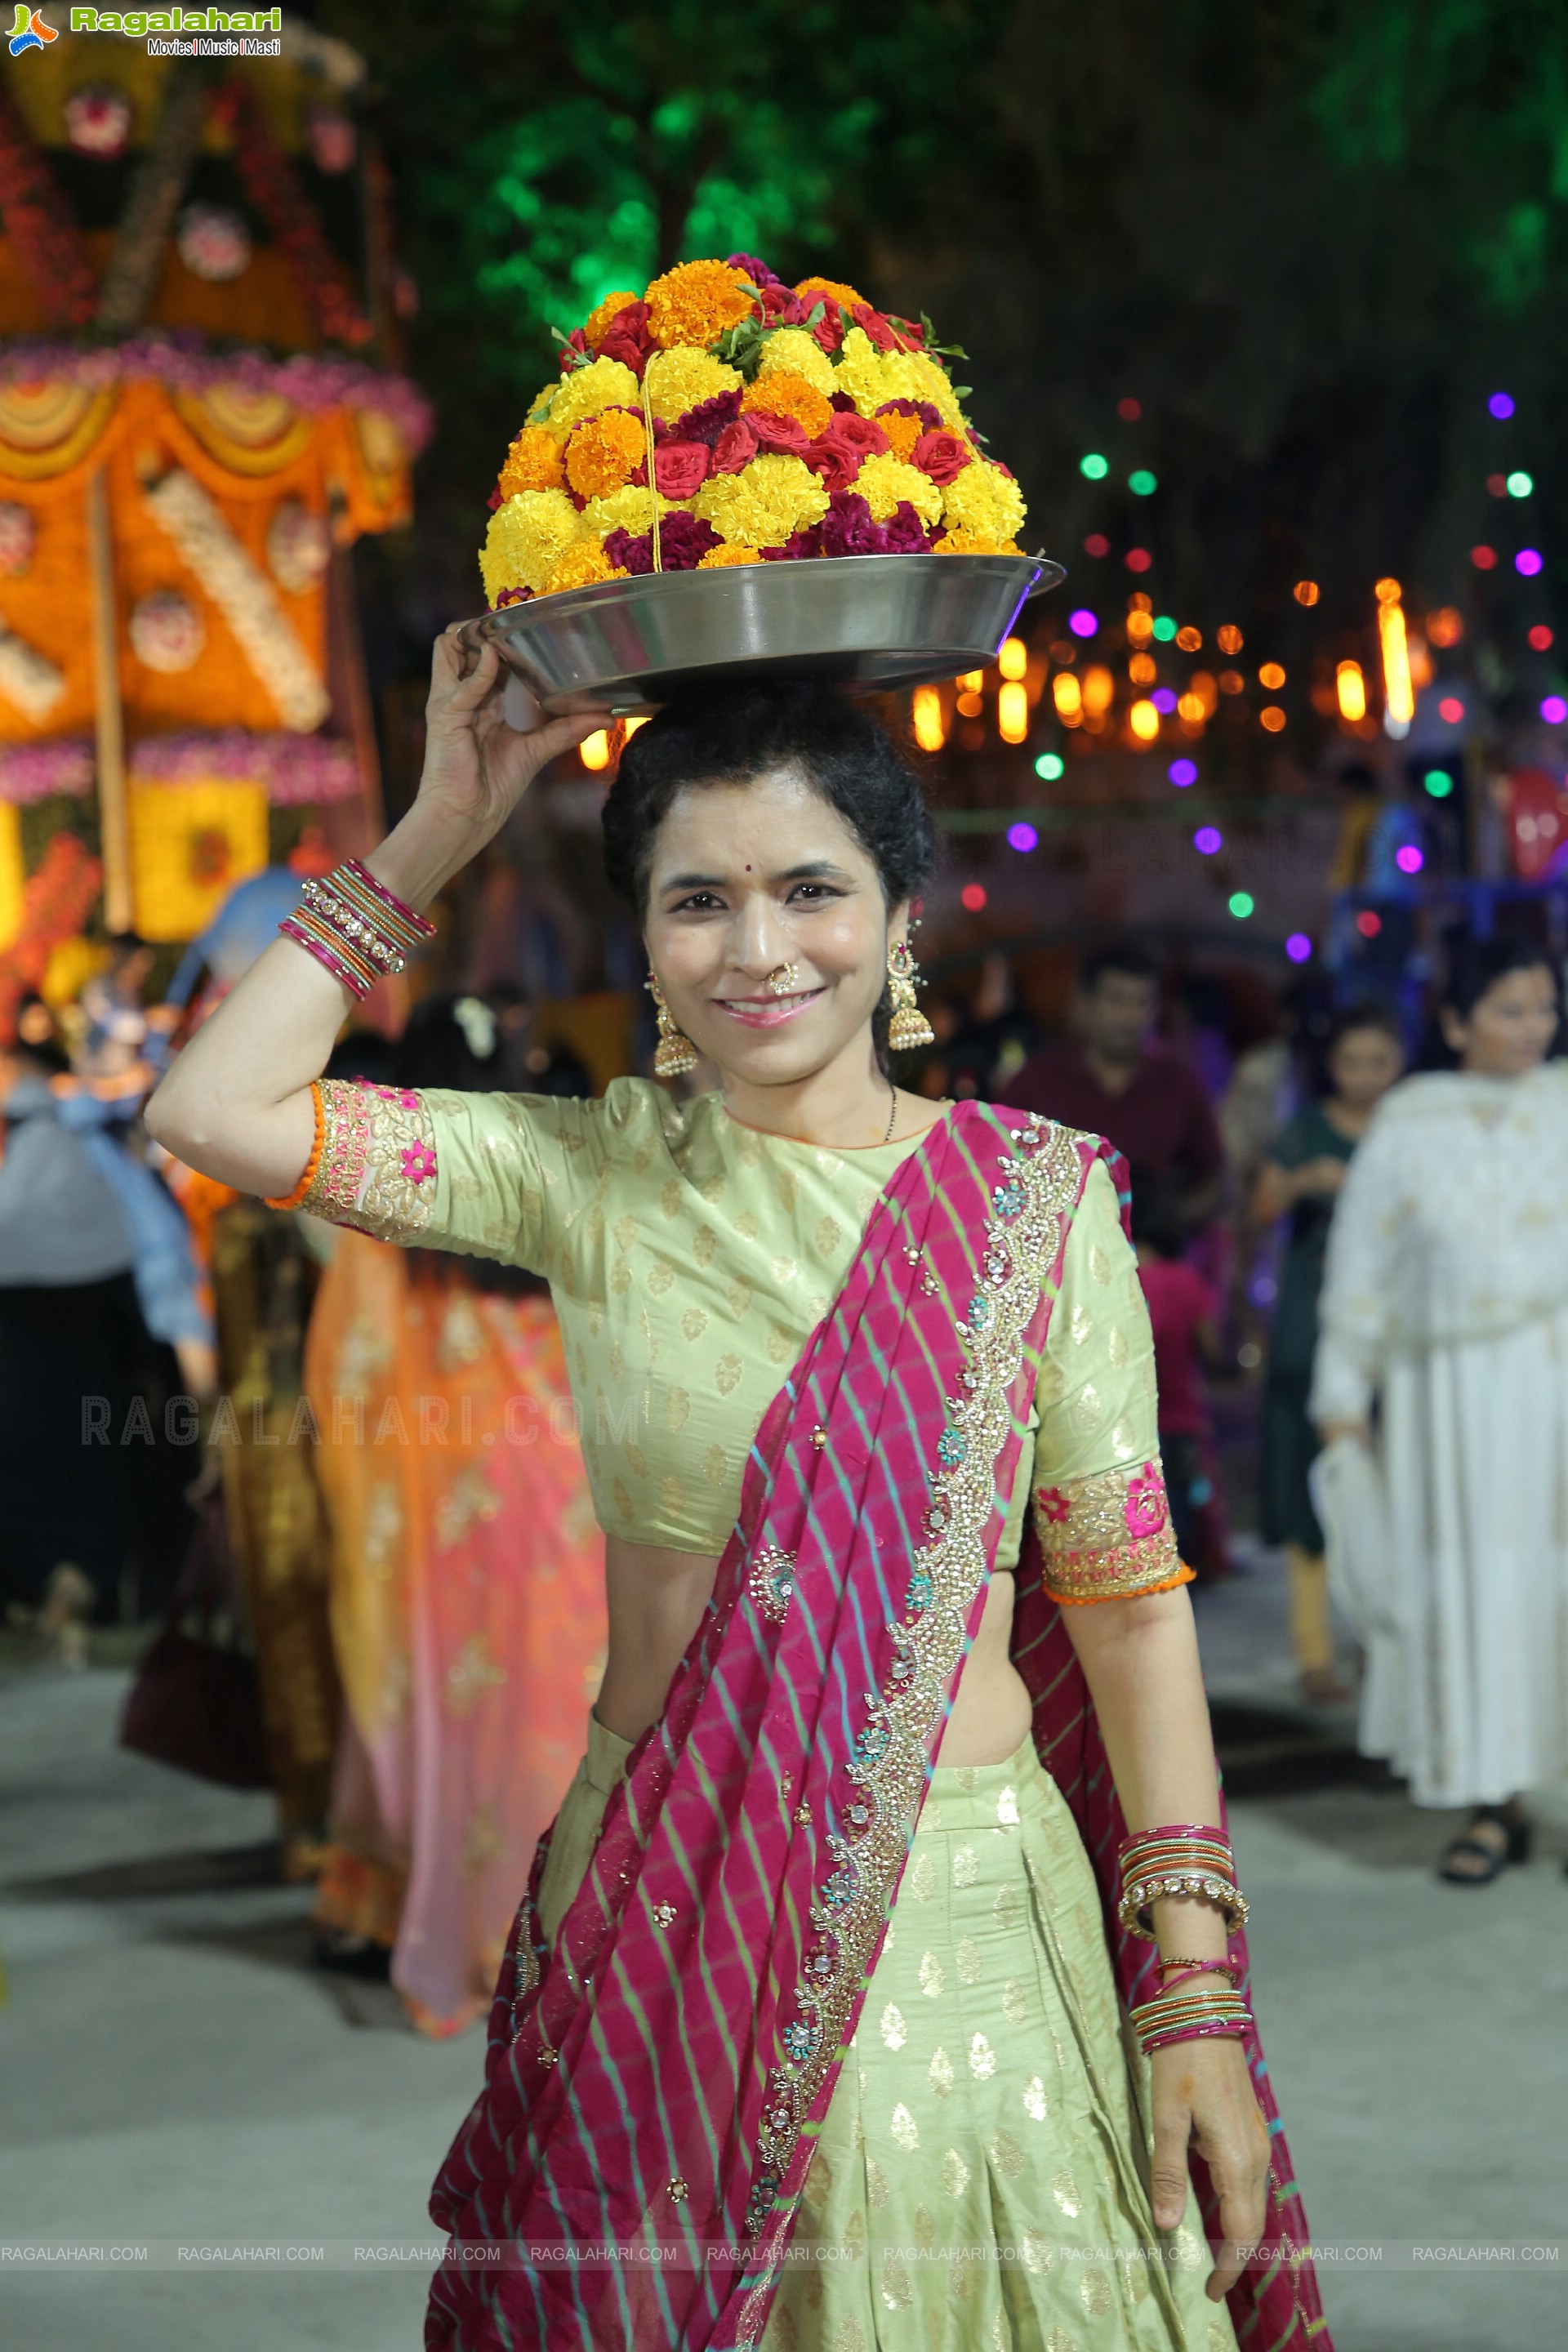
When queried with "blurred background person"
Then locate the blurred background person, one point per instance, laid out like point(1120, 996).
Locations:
point(1183, 1313)
point(1445, 1308)
point(1300, 1180)
point(467, 1607)
point(1112, 1078)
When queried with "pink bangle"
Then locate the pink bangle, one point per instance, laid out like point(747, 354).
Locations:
point(332, 958)
point(421, 928)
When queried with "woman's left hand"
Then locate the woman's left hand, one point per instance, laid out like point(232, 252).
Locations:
point(1202, 2098)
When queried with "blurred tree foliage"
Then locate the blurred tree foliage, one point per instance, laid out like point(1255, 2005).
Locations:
point(1309, 239)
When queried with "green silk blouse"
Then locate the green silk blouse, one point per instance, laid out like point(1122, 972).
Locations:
point(689, 1258)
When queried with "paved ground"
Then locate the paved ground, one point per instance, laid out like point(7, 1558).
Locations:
point(170, 2067)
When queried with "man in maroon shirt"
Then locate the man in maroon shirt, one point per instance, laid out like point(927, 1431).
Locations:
point(1112, 1080)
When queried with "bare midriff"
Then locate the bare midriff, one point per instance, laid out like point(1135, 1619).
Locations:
point(656, 1599)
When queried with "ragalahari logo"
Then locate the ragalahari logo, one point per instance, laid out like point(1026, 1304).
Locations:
point(29, 31)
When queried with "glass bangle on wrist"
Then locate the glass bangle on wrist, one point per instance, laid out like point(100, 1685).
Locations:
point(355, 927)
point(1180, 1859)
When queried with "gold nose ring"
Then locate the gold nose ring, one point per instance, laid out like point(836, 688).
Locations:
point(783, 979)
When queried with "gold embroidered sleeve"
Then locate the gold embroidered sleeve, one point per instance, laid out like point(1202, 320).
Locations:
point(488, 1175)
point(1100, 1503)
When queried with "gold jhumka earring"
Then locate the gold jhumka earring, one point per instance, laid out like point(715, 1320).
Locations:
point(909, 1026)
point(784, 979)
point(675, 1053)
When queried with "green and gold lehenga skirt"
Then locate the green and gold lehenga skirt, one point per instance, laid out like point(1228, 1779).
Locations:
point(981, 2180)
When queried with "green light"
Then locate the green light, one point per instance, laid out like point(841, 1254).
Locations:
point(1164, 628)
point(1142, 483)
point(1094, 466)
point(1438, 782)
point(1241, 904)
point(1048, 767)
point(1520, 485)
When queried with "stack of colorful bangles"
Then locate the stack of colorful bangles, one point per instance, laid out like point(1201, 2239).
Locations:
point(1181, 1859)
point(351, 923)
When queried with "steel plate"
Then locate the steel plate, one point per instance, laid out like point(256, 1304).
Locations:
point(870, 620)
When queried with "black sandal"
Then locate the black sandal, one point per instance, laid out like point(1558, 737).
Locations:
point(1518, 1836)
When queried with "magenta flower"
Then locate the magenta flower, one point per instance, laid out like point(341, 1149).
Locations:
point(1054, 1503)
point(1146, 1509)
point(418, 1161)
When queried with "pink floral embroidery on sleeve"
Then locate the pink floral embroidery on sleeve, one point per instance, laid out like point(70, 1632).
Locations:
point(1053, 1503)
point(418, 1161)
point(1107, 1536)
point(1146, 1509)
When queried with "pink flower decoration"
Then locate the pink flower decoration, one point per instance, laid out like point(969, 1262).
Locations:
point(943, 456)
point(418, 1161)
point(628, 340)
point(782, 437)
point(735, 447)
point(1054, 1504)
point(1146, 1509)
point(680, 469)
point(841, 449)
point(876, 327)
point(402, 1095)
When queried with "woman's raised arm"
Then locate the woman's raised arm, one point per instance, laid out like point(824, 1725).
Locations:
point(235, 1103)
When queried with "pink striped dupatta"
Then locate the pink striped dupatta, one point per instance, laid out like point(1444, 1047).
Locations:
point(630, 2176)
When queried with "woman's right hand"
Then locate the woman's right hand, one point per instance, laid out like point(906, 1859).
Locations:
point(476, 764)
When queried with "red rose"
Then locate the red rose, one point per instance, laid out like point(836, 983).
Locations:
point(780, 436)
point(574, 349)
point(628, 340)
point(876, 328)
point(841, 449)
point(736, 447)
point(828, 331)
point(942, 455)
point(680, 469)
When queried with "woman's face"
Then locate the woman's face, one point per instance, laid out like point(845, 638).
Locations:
point(745, 879)
point(1509, 1030)
point(1363, 1065)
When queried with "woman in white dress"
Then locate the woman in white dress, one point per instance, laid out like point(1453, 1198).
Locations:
point(1446, 1305)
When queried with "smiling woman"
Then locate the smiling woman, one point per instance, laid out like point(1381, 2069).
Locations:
point(830, 1934)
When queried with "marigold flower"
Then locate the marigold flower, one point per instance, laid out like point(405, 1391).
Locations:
point(602, 454)
point(628, 509)
point(902, 432)
point(721, 559)
point(601, 319)
point(782, 393)
point(790, 351)
point(762, 506)
point(677, 381)
point(887, 482)
point(602, 383)
point(827, 289)
point(871, 377)
point(929, 381)
point(984, 500)
point(581, 566)
point(526, 540)
point(532, 463)
point(692, 305)
point(974, 542)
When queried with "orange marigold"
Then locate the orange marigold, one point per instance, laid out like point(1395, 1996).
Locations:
point(958, 542)
point(581, 566)
point(601, 319)
point(902, 433)
point(720, 558)
point(695, 302)
point(785, 394)
point(532, 463)
point(828, 290)
point(602, 454)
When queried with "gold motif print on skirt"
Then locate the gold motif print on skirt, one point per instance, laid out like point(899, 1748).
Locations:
point(980, 2181)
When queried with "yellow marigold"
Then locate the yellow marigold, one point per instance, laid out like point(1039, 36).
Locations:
point(868, 376)
point(677, 380)
point(602, 454)
point(783, 393)
point(928, 379)
point(973, 542)
point(764, 503)
point(532, 463)
point(883, 482)
point(588, 391)
point(693, 304)
point(721, 559)
point(628, 509)
point(827, 289)
point(790, 351)
point(902, 432)
point(983, 499)
point(581, 566)
point(526, 540)
point(604, 316)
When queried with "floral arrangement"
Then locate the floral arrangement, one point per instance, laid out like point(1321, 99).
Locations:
point(18, 537)
point(299, 546)
point(782, 421)
point(182, 359)
point(40, 225)
point(56, 901)
point(272, 189)
point(166, 631)
point(243, 595)
point(298, 771)
point(97, 119)
point(27, 677)
point(214, 243)
point(37, 771)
